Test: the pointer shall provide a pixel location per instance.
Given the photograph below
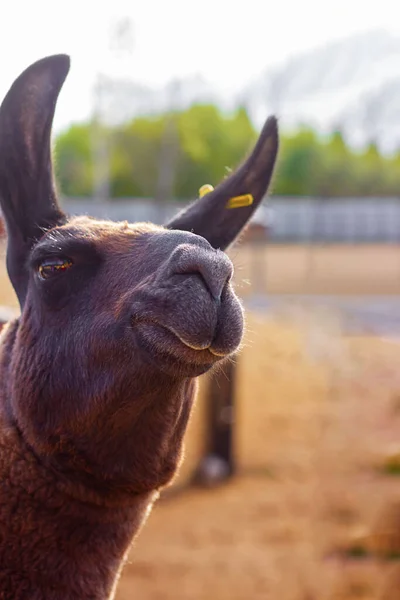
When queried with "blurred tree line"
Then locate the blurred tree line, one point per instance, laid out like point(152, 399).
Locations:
point(202, 143)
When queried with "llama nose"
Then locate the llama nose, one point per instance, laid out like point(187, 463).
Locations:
point(213, 266)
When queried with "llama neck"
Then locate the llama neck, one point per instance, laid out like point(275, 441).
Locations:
point(66, 528)
point(54, 546)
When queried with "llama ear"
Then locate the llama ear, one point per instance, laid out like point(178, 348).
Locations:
point(27, 193)
point(221, 214)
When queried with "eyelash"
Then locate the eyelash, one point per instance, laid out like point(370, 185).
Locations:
point(53, 266)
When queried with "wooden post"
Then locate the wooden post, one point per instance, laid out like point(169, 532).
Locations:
point(219, 462)
point(221, 398)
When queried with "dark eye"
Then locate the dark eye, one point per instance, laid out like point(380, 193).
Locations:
point(53, 266)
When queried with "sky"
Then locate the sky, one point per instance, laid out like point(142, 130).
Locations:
point(229, 44)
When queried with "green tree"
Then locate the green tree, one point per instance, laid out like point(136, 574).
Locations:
point(299, 164)
point(73, 161)
point(336, 175)
point(205, 144)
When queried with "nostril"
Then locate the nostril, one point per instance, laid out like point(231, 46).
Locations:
point(214, 268)
point(215, 279)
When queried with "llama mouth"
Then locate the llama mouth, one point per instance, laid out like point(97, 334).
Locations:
point(192, 346)
point(162, 342)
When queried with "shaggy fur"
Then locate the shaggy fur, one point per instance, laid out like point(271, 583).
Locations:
point(98, 372)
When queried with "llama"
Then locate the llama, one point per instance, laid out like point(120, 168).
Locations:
point(98, 372)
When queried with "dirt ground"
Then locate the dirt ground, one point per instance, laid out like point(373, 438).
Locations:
point(316, 415)
point(329, 269)
point(316, 435)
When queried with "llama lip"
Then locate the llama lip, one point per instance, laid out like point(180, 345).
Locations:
point(198, 348)
point(195, 347)
point(161, 339)
point(166, 352)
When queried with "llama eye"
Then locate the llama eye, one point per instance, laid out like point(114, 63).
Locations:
point(52, 266)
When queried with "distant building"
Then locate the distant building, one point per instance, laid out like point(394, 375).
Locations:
point(259, 227)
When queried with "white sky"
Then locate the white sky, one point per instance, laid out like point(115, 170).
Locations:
point(228, 46)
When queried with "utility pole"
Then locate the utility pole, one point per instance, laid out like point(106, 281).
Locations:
point(120, 47)
point(166, 169)
point(101, 162)
point(169, 153)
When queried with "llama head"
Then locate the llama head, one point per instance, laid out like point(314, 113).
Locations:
point(116, 318)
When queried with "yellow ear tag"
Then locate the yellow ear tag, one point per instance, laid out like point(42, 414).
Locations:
point(235, 202)
point(239, 201)
point(205, 189)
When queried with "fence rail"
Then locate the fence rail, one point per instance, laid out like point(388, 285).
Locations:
point(290, 220)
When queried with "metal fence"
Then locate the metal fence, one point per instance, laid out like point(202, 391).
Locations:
point(335, 220)
point(295, 220)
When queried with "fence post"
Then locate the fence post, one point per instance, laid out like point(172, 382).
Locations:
point(219, 462)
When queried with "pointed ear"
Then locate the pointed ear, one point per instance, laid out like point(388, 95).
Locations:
point(211, 216)
point(27, 193)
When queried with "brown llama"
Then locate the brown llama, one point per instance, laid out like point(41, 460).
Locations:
point(99, 370)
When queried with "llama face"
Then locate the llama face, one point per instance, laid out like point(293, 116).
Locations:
point(166, 295)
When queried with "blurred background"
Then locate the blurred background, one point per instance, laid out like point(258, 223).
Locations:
point(290, 485)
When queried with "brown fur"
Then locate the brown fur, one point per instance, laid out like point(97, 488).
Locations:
point(98, 372)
